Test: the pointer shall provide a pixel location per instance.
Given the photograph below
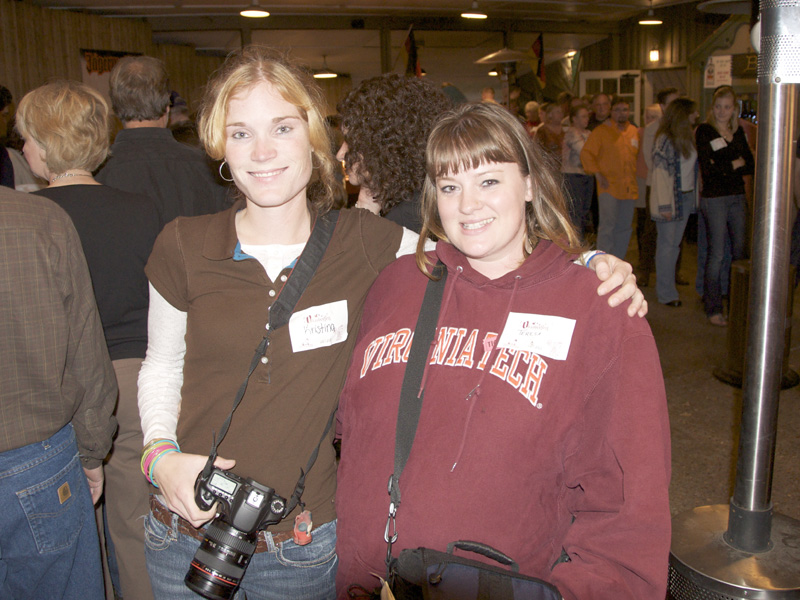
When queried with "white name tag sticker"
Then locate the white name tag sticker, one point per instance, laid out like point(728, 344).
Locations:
point(544, 335)
point(318, 326)
point(634, 142)
point(718, 144)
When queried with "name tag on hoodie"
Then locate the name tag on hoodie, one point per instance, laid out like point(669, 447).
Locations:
point(544, 335)
point(318, 326)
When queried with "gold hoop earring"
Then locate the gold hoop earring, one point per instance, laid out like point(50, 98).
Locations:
point(222, 164)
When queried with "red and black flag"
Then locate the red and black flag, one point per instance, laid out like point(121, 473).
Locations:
point(538, 65)
point(412, 66)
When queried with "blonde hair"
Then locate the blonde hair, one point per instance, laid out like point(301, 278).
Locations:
point(475, 134)
point(723, 91)
point(70, 121)
point(256, 64)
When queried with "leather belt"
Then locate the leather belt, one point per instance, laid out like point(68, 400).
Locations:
point(164, 516)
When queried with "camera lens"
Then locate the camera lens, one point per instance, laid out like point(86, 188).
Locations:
point(220, 562)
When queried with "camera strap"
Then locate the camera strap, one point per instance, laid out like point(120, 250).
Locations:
point(279, 314)
point(411, 394)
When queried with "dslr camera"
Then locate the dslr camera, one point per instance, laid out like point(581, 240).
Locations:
point(246, 507)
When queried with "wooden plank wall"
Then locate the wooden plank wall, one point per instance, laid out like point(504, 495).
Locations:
point(40, 44)
point(683, 30)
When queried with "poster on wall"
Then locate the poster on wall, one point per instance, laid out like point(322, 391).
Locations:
point(96, 67)
point(718, 71)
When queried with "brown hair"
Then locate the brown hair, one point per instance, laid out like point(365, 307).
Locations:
point(676, 126)
point(474, 134)
point(386, 121)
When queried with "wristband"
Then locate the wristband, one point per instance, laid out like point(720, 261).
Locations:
point(153, 452)
point(153, 464)
point(593, 255)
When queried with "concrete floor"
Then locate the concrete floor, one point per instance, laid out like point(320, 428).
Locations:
point(705, 413)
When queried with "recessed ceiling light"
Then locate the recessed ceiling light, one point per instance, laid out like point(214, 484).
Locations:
point(254, 11)
point(473, 13)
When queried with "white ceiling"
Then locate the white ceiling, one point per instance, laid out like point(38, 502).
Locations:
point(347, 32)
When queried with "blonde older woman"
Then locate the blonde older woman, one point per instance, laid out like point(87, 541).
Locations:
point(66, 129)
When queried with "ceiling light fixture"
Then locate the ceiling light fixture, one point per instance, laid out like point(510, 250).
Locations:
point(493, 73)
point(474, 13)
point(325, 73)
point(254, 11)
point(650, 19)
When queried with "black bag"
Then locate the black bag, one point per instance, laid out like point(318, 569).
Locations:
point(425, 574)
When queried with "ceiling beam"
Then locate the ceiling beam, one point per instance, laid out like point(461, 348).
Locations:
point(305, 22)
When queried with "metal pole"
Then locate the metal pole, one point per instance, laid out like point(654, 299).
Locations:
point(750, 516)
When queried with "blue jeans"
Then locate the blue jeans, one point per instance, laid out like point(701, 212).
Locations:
point(285, 572)
point(724, 216)
point(668, 246)
point(580, 189)
point(49, 547)
point(616, 224)
point(702, 255)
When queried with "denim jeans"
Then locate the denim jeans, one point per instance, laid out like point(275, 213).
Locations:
point(702, 255)
point(49, 547)
point(724, 216)
point(668, 245)
point(616, 225)
point(580, 188)
point(285, 572)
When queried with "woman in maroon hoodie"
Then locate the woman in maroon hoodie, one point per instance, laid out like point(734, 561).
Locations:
point(543, 430)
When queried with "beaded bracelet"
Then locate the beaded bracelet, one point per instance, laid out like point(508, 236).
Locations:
point(593, 255)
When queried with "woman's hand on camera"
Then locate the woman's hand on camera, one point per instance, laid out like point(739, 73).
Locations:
point(616, 273)
point(175, 475)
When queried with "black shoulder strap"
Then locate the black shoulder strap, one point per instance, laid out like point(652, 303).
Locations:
point(411, 395)
point(281, 311)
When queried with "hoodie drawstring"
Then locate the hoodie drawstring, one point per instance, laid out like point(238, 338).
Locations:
point(476, 391)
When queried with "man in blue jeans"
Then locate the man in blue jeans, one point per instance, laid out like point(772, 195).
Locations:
point(57, 395)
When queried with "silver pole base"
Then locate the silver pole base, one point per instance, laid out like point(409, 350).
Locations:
point(702, 566)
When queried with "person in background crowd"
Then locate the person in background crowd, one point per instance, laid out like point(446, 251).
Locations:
point(6, 168)
point(386, 121)
point(487, 95)
point(66, 129)
point(58, 392)
point(145, 158)
point(610, 155)
point(647, 244)
point(645, 227)
point(590, 513)
point(263, 115)
point(724, 157)
point(601, 110)
point(532, 116)
point(673, 190)
point(550, 135)
point(580, 186)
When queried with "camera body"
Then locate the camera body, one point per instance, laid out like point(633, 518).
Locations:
point(246, 507)
point(245, 504)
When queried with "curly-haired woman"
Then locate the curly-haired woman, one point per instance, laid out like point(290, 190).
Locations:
point(386, 121)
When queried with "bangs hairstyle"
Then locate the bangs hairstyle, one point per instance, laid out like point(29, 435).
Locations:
point(139, 88)
point(475, 134)
point(724, 91)
point(257, 64)
point(70, 121)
